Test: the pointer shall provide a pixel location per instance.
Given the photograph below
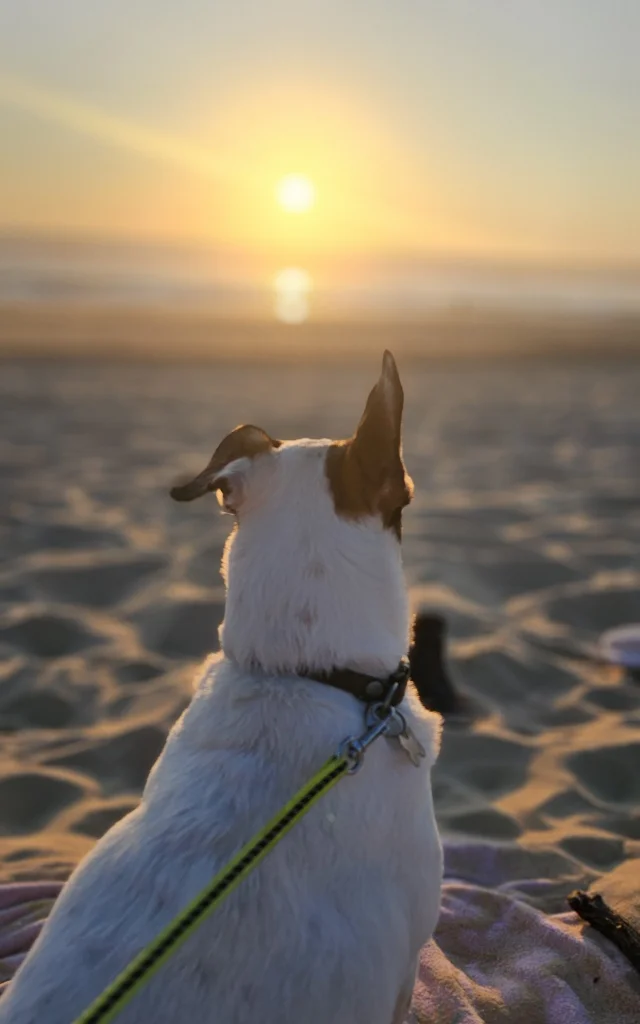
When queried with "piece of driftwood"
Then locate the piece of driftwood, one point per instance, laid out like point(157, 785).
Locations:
point(593, 909)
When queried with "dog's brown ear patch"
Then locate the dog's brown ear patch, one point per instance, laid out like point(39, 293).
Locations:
point(366, 474)
point(243, 442)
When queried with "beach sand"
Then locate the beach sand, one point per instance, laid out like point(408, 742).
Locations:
point(524, 533)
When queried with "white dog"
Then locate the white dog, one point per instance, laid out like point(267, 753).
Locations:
point(327, 929)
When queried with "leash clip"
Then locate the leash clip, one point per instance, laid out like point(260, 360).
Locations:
point(380, 717)
point(385, 705)
point(353, 748)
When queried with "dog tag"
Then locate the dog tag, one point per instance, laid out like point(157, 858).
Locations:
point(412, 745)
point(399, 730)
point(397, 724)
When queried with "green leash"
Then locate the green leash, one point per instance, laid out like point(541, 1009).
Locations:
point(346, 761)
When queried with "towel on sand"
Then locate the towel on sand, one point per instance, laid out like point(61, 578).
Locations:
point(505, 951)
point(499, 958)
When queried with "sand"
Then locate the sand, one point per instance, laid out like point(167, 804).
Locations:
point(456, 333)
point(525, 534)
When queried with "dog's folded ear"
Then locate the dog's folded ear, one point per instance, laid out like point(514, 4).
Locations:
point(224, 471)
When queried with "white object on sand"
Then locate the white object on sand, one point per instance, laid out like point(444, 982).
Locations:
point(622, 645)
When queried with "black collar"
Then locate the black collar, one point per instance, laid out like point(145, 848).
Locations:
point(365, 687)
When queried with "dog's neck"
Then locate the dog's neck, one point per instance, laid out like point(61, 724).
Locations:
point(307, 588)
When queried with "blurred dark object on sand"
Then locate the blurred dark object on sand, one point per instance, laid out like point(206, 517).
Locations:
point(428, 668)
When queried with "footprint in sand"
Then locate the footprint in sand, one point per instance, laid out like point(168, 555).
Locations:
point(36, 709)
point(96, 584)
point(611, 774)
point(486, 821)
point(47, 635)
point(68, 535)
point(615, 698)
point(597, 610)
point(487, 764)
point(181, 629)
point(120, 763)
point(133, 672)
point(96, 821)
point(29, 800)
point(599, 852)
point(204, 567)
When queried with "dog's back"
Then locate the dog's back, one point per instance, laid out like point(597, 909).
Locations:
point(328, 927)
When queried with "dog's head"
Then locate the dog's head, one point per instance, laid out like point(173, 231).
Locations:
point(313, 569)
point(365, 475)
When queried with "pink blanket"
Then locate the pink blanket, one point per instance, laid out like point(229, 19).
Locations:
point(501, 955)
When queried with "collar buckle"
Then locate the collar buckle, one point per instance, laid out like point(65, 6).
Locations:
point(397, 683)
point(384, 692)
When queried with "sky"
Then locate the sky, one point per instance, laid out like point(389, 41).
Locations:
point(477, 128)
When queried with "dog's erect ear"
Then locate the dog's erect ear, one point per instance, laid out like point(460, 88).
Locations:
point(222, 474)
point(382, 418)
point(377, 442)
point(366, 474)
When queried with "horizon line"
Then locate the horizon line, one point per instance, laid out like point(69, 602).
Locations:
point(478, 259)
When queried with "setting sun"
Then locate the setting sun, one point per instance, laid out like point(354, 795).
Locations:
point(296, 193)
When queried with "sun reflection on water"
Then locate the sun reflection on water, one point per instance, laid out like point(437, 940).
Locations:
point(292, 287)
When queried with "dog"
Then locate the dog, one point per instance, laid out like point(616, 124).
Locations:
point(327, 928)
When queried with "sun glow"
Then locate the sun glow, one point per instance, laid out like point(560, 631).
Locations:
point(296, 193)
point(292, 286)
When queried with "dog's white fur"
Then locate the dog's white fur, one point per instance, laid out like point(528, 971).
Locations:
point(323, 590)
point(328, 928)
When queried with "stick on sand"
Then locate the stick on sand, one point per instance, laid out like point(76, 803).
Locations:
point(593, 909)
